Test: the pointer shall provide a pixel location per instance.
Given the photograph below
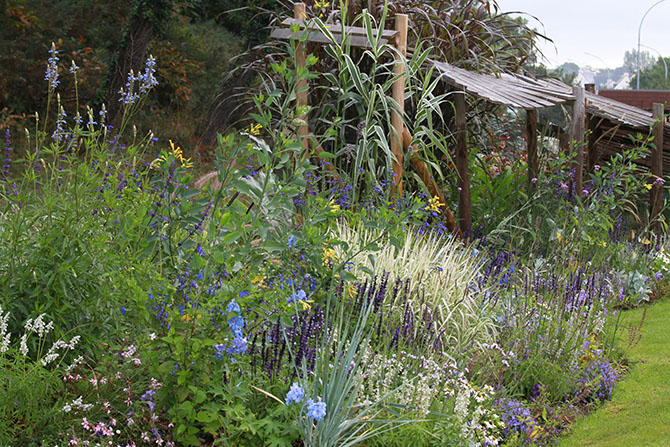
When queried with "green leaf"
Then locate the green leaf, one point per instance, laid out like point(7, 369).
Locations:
point(205, 417)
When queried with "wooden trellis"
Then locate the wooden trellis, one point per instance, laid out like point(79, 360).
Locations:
point(357, 37)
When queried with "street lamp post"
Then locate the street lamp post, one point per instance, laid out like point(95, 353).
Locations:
point(662, 58)
point(639, 30)
point(605, 63)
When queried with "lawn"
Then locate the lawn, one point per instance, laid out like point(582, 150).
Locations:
point(639, 413)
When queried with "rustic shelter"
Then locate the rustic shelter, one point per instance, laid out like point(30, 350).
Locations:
point(609, 125)
point(609, 122)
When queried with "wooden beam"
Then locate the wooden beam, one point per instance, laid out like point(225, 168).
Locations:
point(657, 168)
point(299, 12)
point(577, 135)
point(424, 173)
point(464, 205)
point(531, 140)
point(595, 132)
point(399, 97)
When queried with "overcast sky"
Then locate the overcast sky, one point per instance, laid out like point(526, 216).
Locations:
point(603, 28)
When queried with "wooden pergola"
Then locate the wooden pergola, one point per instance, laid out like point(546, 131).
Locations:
point(607, 120)
point(609, 123)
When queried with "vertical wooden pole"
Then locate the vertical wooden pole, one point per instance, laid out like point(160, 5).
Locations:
point(592, 148)
point(464, 205)
point(657, 167)
point(301, 88)
point(399, 97)
point(531, 139)
point(577, 135)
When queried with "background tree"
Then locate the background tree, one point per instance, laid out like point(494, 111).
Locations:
point(654, 77)
point(148, 17)
point(630, 60)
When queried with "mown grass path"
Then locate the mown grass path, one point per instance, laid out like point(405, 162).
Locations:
point(639, 413)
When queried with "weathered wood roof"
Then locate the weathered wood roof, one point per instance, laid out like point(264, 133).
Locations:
point(618, 112)
point(509, 90)
point(528, 93)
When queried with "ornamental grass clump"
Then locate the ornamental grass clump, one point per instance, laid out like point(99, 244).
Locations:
point(441, 269)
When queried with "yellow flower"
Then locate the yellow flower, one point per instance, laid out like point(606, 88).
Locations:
point(254, 129)
point(352, 290)
point(176, 152)
point(329, 255)
point(648, 186)
point(434, 205)
point(258, 280)
point(559, 236)
point(306, 304)
point(334, 208)
point(604, 244)
point(645, 241)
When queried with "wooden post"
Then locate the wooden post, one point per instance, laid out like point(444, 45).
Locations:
point(424, 173)
point(657, 167)
point(301, 93)
point(399, 97)
point(595, 132)
point(531, 139)
point(577, 135)
point(464, 205)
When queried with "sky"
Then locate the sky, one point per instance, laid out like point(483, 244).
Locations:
point(605, 29)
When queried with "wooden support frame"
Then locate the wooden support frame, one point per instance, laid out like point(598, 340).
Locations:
point(357, 37)
point(656, 199)
point(424, 174)
point(301, 93)
point(531, 141)
point(464, 204)
point(399, 98)
point(595, 134)
point(577, 135)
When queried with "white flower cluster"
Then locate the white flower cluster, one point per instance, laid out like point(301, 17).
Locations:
point(414, 382)
point(479, 424)
point(38, 326)
point(77, 404)
point(53, 354)
point(407, 379)
point(78, 361)
point(4, 334)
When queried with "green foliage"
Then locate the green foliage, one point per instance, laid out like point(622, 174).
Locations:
point(654, 76)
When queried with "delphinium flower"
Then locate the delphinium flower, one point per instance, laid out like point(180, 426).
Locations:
point(236, 324)
point(127, 95)
point(51, 74)
point(316, 410)
point(233, 306)
point(295, 395)
point(147, 78)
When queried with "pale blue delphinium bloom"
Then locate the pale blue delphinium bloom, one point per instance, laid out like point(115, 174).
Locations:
point(295, 395)
point(316, 410)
